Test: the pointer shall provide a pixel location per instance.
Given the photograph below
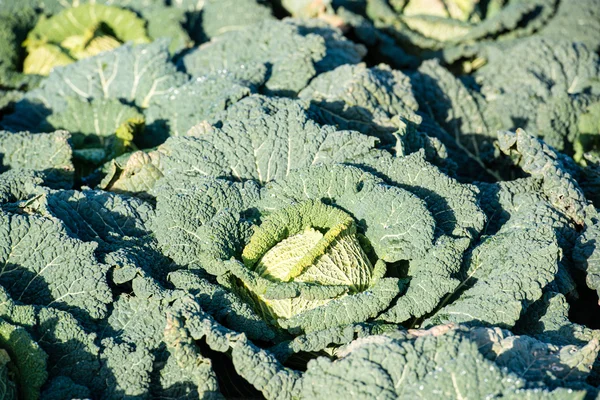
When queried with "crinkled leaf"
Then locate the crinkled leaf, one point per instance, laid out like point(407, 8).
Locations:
point(554, 69)
point(363, 99)
point(14, 26)
point(379, 366)
point(515, 274)
point(340, 50)
point(222, 16)
point(346, 309)
point(72, 352)
point(541, 161)
point(548, 320)
point(16, 185)
point(225, 307)
point(290, 55)
point(192, 366)
point(133, 74)
point(48, 153)
point(126, 369)
point(534, 360)
point(43, 265)
point(136, 174)
point(587, 257)
point(585, 16)
point(278, 134)
point(196, 222)
point(460, 112)
point(396, 222)
point(23, 363)
point(90, 122)
point(111, 220)
point(452, 204)
point(258, 367)
point(431, 278)
point(176, 111)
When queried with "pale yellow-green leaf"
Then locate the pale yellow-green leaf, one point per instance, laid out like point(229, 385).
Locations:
point(80, 32)
point(42, 60)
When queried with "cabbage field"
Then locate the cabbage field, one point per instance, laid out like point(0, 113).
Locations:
point(300, 199)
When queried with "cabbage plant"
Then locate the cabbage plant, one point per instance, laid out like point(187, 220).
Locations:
point(317, 230)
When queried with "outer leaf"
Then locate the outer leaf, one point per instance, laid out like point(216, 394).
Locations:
point(586, 16)
point(558, 121)
point(277, 133)
point(534, 360)
point(90, 122)
point(119, 224)
point(346, 309)
point(363, 99)
point(111, 220)
point(586, 255)
point(222, 16)
point(165, 22)
point(291, 55)
point(194, 225)
point(62, 387)
point(541, 161)
point(324, 340)
point(136, 174)
point(191, 364)
point(460, 112)
point(16, 185)
point(126, 369)
point(554, 70)
point(258, 367)
point(340, 51)
point(134, 332)
point(14, 25)
point(175, 112)
point(515, 274)
point(72, 353)
point(48, 153)
point(577, 64)
point(548, 320)
point(380, 43)
point(432, 277)
point(521, 203)
point(133, 74)
point(381, 367)
point(225, 307)
point(501, 200)
point(42, 265)
point(452, 204)
point(8, 388)
point(22, 361)
point(397, 223)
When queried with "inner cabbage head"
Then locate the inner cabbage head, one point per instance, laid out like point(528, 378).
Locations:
point(462, 10)
point(311, 243)
point(78, 33)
